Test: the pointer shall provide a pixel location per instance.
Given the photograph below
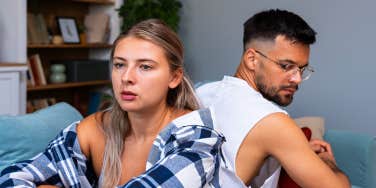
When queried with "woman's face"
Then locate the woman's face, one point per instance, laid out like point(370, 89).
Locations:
point(141, 76)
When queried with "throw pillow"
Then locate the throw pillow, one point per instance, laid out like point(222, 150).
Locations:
point(315, 124)
point(24, 136)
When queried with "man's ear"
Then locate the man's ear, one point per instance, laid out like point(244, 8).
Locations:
point(249, 58)
point(176, 78)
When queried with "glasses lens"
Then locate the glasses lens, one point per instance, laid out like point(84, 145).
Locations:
point(307, 72)
point(305, 75)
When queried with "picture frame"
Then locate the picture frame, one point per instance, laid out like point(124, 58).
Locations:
point(68, 29)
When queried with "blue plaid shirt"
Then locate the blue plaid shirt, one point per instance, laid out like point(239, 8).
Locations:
point(186, 153)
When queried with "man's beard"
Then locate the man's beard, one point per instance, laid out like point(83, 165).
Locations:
point(271, 93)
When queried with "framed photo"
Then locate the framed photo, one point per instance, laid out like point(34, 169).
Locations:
point(68, 29)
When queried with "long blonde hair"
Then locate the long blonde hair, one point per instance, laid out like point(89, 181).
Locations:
point(181, 97)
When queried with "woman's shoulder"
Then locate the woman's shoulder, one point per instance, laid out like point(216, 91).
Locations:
point(194, 129)
point(194, 125)
point(91, 122)
point(89, 131)
point(201, 117)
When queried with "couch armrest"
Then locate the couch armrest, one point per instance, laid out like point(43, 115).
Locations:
point(355, 154)
point(24, 136)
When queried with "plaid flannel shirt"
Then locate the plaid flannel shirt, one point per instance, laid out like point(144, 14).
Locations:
point(186, 153)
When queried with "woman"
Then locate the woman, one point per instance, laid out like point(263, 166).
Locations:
point(115, 147)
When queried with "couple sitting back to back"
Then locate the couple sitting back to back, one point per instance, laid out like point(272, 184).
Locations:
point(155, 136)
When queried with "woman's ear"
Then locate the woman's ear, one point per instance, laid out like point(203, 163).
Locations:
point(176, 78)
point(249, 58)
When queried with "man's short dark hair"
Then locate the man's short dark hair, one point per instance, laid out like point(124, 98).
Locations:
point(267, 25)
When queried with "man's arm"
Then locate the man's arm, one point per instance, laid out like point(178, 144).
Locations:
point(325, 152)
point(279, 137)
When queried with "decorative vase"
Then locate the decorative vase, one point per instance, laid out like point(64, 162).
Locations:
point(57, 39)
point(57, 73)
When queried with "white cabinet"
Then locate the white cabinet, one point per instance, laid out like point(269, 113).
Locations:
point(12, 89)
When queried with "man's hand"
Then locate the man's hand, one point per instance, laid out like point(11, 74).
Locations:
point(320, 146)
point(324, 151)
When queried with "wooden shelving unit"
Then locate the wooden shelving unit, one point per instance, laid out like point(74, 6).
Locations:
point(105, 2)
point(94, 45)
point(75, 93)
point(69, 85)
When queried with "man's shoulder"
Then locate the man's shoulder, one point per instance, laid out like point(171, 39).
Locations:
point(275, 125)
point(227, 81)
point(235, 96)
point(227, 88)
point(206, 86)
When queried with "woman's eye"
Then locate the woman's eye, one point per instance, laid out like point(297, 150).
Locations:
point(145, 67)
point(118, 65)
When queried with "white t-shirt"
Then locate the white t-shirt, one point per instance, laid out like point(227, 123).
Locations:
point(237, 107)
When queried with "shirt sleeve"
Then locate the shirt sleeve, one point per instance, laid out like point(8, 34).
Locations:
point(61, 164)
point(191, 159)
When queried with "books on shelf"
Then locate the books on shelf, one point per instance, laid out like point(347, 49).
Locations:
point(37, 32)
point(29, 74)
point(36, 70)
point(32, 34)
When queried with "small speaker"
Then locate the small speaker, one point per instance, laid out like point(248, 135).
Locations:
point(86, 70)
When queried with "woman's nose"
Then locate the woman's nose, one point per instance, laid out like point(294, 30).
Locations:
point(129, 76)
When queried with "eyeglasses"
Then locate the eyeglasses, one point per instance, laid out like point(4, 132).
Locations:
point(291, 68)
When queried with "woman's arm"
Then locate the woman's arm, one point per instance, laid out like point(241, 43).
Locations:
point(61, 164)
point(28, 173)
point(192, 160)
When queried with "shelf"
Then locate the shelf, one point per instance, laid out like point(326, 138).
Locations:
point(93, 45)
point(68, 85)
point(7, 64)
point(104, 2)
point(13, 67)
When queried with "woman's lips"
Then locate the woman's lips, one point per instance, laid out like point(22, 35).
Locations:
point(128, 96)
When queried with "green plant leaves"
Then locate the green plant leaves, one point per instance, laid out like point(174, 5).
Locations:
point(134, 11)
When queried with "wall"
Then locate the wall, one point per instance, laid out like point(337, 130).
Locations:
point(13, 31)
point(342, 89)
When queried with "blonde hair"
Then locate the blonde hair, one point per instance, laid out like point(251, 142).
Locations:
point(181, 97)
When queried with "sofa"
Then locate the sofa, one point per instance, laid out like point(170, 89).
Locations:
point(355, 154)
point(22, 137)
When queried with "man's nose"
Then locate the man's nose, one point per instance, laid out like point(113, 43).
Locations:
point(296, 77)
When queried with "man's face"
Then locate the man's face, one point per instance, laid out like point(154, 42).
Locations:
point(272, 81)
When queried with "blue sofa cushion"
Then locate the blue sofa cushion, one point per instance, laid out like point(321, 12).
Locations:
point(24, 136)
point(355, 154)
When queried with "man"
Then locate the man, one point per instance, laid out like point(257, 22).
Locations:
point(273, 64)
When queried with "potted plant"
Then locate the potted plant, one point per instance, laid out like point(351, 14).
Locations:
point(134, 11)
point(82, 31)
